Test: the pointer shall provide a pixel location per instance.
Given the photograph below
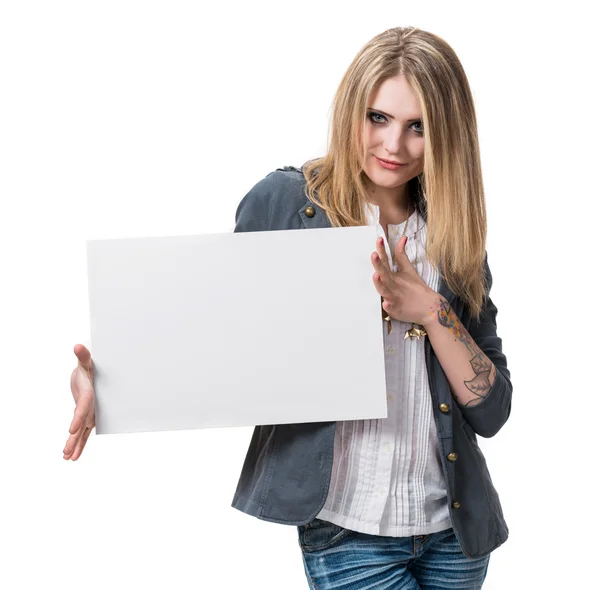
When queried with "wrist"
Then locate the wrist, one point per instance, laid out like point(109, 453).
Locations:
point(435, 302)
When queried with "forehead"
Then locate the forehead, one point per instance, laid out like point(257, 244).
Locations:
point(396, 97)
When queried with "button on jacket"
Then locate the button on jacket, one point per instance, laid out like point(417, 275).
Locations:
point(286, 474)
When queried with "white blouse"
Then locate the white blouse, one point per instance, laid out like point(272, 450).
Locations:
point(387, 476)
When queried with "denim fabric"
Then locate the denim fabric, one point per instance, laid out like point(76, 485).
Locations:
point(335, 557)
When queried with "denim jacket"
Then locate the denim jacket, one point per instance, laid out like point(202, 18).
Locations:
point(286, 473)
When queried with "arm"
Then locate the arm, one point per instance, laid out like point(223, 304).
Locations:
point(473, 362)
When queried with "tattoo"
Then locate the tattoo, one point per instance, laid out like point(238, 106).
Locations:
point(484, 369)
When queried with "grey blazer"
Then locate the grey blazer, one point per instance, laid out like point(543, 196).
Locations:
point(286, 472)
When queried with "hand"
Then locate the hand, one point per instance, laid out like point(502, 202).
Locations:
point(82, 388)
point(406, 297)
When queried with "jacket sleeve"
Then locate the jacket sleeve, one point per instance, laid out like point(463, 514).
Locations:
point(488, 416)
point(254, 211)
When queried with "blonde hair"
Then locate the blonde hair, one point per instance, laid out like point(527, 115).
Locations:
point(449, 193)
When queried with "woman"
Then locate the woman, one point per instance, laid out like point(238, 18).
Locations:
point(406, 501)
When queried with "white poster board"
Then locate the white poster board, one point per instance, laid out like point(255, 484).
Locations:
point(235, 329)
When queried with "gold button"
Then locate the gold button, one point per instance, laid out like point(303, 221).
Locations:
point(452, 456)
point(389, 397)
point(456, 504)
point(310, 212)
point(444, 408)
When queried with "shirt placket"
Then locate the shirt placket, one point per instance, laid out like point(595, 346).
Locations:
point(386, 444)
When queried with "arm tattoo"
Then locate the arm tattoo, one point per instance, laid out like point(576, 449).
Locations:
point(484, 369)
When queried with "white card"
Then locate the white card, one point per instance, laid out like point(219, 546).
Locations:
point(236, 329)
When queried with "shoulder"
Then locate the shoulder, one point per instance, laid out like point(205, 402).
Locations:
point(276, 197)
point(282, 183)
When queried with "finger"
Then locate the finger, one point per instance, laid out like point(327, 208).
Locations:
point(380, 266)
point(381, 287)
point(379, 246)
point(77, 422)
point(72, 443)
point(387, 306)
point(401, 256)
point(82, 409)
point(81, 444)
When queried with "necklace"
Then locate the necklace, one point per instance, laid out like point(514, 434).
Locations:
point(417, 330)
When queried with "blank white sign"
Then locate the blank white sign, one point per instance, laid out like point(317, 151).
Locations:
point(236, 329)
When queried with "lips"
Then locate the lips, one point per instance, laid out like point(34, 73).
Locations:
point(387, 165)
point(391, 162)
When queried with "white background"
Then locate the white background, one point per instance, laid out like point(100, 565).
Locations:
point(122, 118)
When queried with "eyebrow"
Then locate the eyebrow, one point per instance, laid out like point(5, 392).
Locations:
point(391, 116)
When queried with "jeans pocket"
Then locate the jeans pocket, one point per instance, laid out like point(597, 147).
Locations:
point(319, 535)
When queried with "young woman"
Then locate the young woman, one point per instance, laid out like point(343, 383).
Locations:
point(404, 502)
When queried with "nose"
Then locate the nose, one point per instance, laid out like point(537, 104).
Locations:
point(392, 141)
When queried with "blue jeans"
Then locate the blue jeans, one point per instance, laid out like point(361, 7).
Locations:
point(335, 557)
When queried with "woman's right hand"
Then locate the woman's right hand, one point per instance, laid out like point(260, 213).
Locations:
point(82, 388)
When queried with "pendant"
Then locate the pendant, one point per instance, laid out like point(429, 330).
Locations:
point(416, 330)
point(386, 317)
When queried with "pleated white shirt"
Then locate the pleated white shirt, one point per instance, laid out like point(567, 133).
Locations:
point(387, 476)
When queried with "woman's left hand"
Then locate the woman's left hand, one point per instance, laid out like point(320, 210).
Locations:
point(405, 295)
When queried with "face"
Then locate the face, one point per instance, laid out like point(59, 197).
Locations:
point(393, 132)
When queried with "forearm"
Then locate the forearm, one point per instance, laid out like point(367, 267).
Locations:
point(469, 371)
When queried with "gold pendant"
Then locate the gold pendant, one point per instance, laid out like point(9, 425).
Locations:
point(388, 319)
point(416, 330)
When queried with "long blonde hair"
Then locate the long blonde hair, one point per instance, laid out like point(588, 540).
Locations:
point(449, 193)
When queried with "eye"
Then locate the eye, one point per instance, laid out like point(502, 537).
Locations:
point(419, 131)
point(371, 115)
point(379, 119)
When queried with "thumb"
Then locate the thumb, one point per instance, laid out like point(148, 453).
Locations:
point(84, 357)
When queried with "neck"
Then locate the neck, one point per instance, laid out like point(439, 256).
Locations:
point(394, 204)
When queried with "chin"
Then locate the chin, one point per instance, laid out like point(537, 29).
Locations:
point(388, 178)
